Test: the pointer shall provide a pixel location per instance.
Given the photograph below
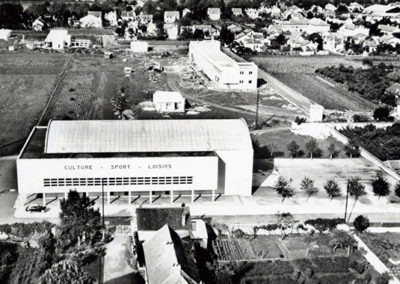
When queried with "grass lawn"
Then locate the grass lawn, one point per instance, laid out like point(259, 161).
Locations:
point(278, 141)
point(299, 74)
point(26, 82)
point(322, 93)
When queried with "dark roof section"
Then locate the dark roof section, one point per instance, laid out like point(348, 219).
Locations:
point(153, 219)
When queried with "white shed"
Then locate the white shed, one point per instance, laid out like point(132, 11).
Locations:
point(316, 113)
point(5, 34)
point(58, 39)
point(168, 101)
point(139, 46)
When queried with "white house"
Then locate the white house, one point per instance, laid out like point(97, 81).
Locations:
point(171, 17)
point(5, 34)
point(214, 13)
point(168, 101)
point(58, 39)
point(91, 21)
point(330, 8)
point(237, 12)
point(112, 19)
point(316, 113)
point(252, 13)
point(139, 46)
point(128, 16)
point(172, 30)
point(254, 41)
point(355, 7)
point(38, 25)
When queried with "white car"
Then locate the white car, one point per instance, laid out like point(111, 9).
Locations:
point(35, 208)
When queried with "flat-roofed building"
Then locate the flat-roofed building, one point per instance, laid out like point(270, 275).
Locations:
point(137, 158)
point(224, 71)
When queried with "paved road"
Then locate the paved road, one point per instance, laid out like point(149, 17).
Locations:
point(294, 97)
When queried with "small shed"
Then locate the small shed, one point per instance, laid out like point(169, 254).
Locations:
point(139, 46)
point(316, 113)
point(168, 101)
point(5, 34)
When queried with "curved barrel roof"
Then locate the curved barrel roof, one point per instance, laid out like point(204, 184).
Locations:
point(118, 136)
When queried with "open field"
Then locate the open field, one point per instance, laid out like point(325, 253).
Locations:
point(26, 82)
point(299, 74)
point(329, 96)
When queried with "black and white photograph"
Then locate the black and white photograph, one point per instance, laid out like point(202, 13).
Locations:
point(199, 142)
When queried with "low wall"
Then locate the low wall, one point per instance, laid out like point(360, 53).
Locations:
point(324, 130)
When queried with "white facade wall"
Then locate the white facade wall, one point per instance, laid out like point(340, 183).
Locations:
point(235, 172)
point(221, 69)
point(170, 106)
point(33, 172)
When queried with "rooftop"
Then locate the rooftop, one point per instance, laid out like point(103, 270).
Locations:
point(162, 96)
point(211, 49)
point(172, 135)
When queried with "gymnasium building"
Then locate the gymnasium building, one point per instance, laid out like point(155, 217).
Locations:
point(137, 158)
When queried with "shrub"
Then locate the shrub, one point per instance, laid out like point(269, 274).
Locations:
point(361, 223)
point(323, 224)
point(380, 186)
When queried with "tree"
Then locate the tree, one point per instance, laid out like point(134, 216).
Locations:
point(293, 148)
point(361, 223)
point(355, 188)
point(332, 189)
point(120, 103)
point(341, 239)
point(382, 114)
point(80, 222)
point(283, 188)
point(307, 185)
point(332, 149)
point(397, 190)
point(380, 186)
point(64, 272)
point(352, 149)
point(312, 148)
point(227, 37)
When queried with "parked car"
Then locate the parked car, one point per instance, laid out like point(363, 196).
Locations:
point(35, 208)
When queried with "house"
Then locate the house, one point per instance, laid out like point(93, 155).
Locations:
point(58, 39)
point(97, 14)
point(128, 16)
point(234, 28)
point(171, 17)
point(389, 39)
point(5, 34)
point(91, 21)
point(111, 18)
point(139, 46)
point(308, 26)
point(388, 30)
point(237, 12)
point(251, 13)
point(253, 40)
point(185, 11)
point(145, 18)
point(171, 30)
point(168, 101)
point(394, 89)
point(168, 260)
point(214, 13)
point(38, 25)
point(80, 43)
point(355, 7)
point(330, 8)
point(275, 11)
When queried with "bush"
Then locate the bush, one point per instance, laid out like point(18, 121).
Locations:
point(22, 230)
point(360, 118)
point(323, 224)
point(382, 114)
point(361, 223)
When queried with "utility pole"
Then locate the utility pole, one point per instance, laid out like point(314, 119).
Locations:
point(258, 99)
point(347, 199)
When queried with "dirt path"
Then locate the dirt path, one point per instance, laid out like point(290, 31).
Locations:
point(264, 112)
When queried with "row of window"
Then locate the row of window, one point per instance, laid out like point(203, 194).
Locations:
point(242, 72)
point(241, 81)
point(47, 182)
